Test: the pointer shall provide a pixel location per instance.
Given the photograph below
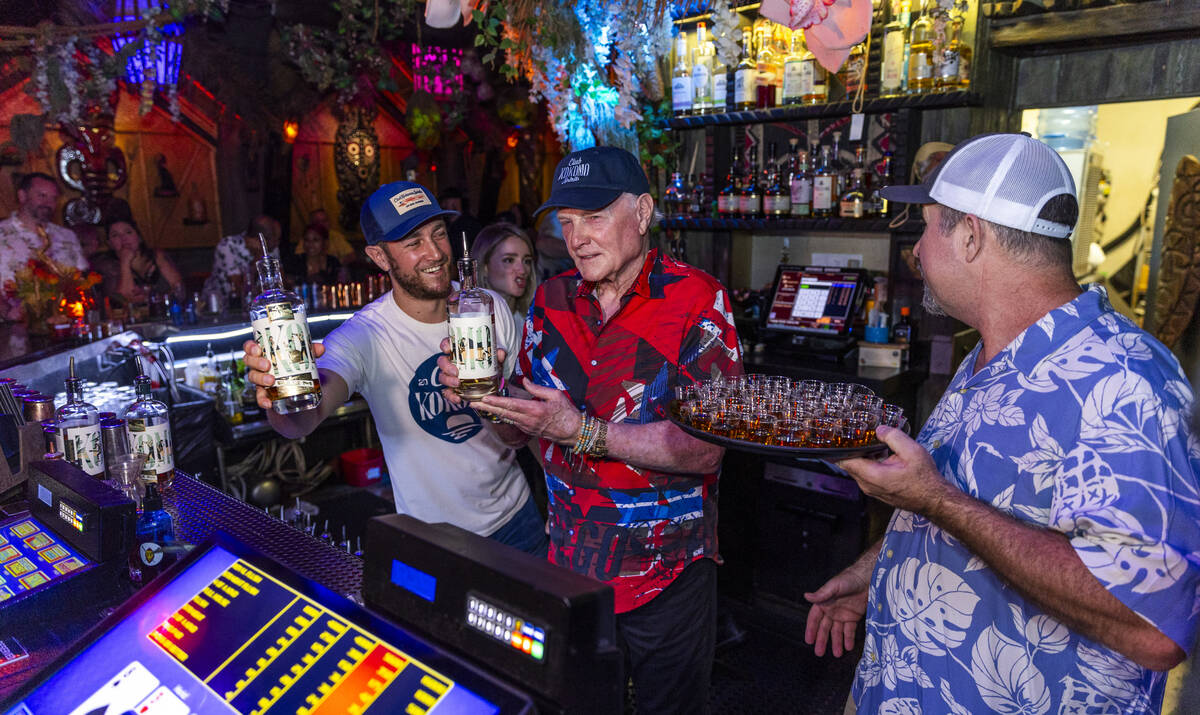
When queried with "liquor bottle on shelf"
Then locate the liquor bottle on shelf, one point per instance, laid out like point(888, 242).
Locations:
point(840, 169)
point(954, 61)
point(728, 196)
point(681, 79)
point(814, 79)
point(853, 72)
point(824, 181)
point(229, 400)
point(473, 333)
point(209, 376)
point(78, 423)
point(280, 323)
point(880, 205)
point(793, 69)
point(702, 69)
point(720, 85)
point(902, 331)
point(920, 54)
point(853, 200)
point(800, 182)
point(895, 37)
point(750, 201)
point(675, 197)
point(745, 77)
point(695, 196)
point(777, 199)
point(770, 73)
point(148, 427)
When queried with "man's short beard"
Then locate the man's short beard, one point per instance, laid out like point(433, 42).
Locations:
point(930, 304)
point(414, 287)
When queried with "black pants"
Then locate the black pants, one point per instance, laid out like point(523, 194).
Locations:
point(668, 643)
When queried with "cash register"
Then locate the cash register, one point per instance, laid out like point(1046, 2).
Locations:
point(811, 311)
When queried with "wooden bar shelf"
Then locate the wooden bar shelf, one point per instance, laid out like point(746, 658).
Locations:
point(1138, 22)
point(793, 225)
point(935, 100)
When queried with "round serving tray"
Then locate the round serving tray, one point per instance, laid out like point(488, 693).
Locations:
point(821, 454)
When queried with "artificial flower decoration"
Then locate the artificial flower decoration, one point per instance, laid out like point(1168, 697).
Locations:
point(831, 27)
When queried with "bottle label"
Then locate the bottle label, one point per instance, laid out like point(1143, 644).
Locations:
point(777, 204)
point(793, 80)
point(948, 69)
point(719, 91)
point(702, 84)
point(283, 336)
point(725, 204)
point(473, 345)
point(851, 208)
point(801, 198)
point(154, 441)
point(744, 86)
point(822, 193)
point(81, 446)
point(749, 205)
point(681, 94)
point(919, 66)
point(806, 79)
point(893, 56)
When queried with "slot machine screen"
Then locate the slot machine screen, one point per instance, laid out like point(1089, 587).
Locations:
point(814, 300)
point(32, 557)
point(227, 632)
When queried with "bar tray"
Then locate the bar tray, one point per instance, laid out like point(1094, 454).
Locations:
point(818, 454)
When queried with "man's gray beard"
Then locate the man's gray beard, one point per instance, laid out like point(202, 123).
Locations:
point(930, 304)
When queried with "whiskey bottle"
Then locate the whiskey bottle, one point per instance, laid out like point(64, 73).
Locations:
point(777, 200)
point(702, 73)
point(750, 201)
point(853, 72)
point(281, 329)
point(920, 55)
point(769, 77)
point(954, 61)
point(745, 77)
point(895, 35)
point(793, 68)
point(823, 186)
point(853, 201)
point(814, 79)
point(675, 197)
point(681, 79)
point(472, 313)
point(148, 426)
point(78, 422)
point(727, 198)
point(800, 182)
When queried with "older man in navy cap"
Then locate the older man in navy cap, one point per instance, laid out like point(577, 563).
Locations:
point(446, 464)
point(1043, 554)
point(632, 497)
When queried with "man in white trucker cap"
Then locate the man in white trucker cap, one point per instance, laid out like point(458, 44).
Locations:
point(1041, 557)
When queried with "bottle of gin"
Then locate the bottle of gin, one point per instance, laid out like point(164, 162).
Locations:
point(78, 435)
point(472, 314)
point(148, 425)
point(281, 329)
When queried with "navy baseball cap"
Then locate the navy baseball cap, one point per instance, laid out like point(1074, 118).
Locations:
point(396, 210)
point(593, 178)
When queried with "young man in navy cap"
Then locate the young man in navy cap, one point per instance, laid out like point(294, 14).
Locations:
point(445, 463)
point(1042, 556)
point(632, 497)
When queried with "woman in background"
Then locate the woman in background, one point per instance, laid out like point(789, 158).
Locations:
point(131, 269)
point(506, 256)
point(316, 265)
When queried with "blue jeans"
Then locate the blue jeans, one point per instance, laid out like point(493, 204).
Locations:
point(525, 531)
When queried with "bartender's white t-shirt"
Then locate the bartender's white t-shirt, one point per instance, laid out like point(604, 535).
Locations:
point(445, 463)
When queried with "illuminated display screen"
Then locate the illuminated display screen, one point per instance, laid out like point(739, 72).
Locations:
point(225, 636)
point(31, 556)
point(813, 300)
point(71, 516)
point(506, 627)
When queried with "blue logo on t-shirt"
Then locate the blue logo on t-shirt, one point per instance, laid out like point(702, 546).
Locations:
point(435, 415)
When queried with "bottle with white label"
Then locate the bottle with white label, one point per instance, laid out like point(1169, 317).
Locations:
point(702, 68)
point(793, 69)
point(148, 426)
point(280, 325)
point(895, 38)
point(472, 313)
point(800, 183)
point(681, 79)
point(745, 77)
point(78, 423)
point(823, 186)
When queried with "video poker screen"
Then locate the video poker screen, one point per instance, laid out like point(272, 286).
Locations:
point(227, 635)
point(32, 556)
point(814, 300)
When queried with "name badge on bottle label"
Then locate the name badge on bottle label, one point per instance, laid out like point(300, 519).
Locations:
point(473, 345)
point(284, 339)
point(154, 441)
point(81, 446)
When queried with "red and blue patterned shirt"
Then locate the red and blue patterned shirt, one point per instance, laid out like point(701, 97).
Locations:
point(634, 529)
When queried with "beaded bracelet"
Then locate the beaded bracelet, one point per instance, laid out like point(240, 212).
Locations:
point(593, 437)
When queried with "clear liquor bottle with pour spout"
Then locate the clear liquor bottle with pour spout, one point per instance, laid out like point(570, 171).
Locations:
point(280, 325)
point(78, 435)
point(148, 425)
point(472, 313)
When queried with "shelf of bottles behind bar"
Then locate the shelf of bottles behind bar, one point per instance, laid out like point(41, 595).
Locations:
point(776, 68)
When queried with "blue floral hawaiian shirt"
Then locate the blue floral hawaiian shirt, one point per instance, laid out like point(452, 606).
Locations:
point(1081, 425)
